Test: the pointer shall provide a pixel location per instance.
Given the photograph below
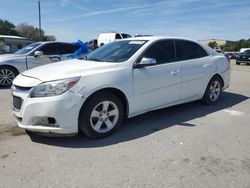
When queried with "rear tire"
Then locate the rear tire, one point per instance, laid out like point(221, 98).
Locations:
point(237, 63)
point(101, 115)
point(7, 75)
point(213, 90)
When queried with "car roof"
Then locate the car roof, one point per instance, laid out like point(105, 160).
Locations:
point(209, 50)
point(153, 38)
point(47, 42)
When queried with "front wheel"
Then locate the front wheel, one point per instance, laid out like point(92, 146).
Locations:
point(7, 75)
point(213, 90)
point(101, 115)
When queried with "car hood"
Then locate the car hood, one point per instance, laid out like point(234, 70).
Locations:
point(67, 69)
point(6, 57)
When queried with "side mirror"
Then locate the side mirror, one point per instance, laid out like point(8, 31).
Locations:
point(146, 62)
point(38, 53)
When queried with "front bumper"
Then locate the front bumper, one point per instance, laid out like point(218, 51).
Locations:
point(63, 110)
point(243, 61)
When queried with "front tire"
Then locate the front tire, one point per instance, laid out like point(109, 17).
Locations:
point(7, 75)
point(101, 115)
point(213, 90)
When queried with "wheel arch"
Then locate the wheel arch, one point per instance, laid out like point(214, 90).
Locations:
point(9, 66)
point(221, 78)
point(116, 92)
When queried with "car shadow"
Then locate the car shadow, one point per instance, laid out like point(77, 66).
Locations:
point(146, 124)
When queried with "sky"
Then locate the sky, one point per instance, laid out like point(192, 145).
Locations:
point(70, 20)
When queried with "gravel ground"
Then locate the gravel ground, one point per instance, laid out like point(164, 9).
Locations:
point(190, 145)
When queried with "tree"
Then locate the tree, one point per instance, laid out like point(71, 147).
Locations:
point(49, 38)
point(29, 31)
point(7, 28)
point(32, 33)
point(1, 46)
point(213, 44)
point(236, 45)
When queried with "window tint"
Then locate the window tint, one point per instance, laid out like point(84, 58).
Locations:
point(247, 52)
point(188, 50)
point(118, 36)
point(67, 48)
point(49, 49)
point(162, 51)
point(124, 35)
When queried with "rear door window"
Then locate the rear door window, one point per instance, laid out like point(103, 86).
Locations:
point(162, 51)
point(67, 48)
point(186, 50)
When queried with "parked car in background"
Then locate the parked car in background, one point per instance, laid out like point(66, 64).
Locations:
point(231, 55)
point(244, 49)
point(243, 57)
point(33, 55)
point(121, 79)
point(108, 37)
point(93, 44)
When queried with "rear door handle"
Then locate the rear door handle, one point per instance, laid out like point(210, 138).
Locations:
point(55, 58)
point(175, 72)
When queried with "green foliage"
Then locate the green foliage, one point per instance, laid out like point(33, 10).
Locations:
point(236, 45)
point(7, 28)
point(213, 44)
point(1, 46)
point(29, 31)
point(23, 30)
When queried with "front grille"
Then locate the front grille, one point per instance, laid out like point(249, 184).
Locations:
point(17, 102)
point(20, 88)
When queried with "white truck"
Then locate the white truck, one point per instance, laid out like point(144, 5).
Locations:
point(108, 37)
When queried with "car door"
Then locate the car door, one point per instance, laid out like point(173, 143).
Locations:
point(66, 49)
point(157, 85)
point(50, 55)
point(195, 66)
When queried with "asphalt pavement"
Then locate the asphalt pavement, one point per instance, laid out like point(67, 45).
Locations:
point(189, 145)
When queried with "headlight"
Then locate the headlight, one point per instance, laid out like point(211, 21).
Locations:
point(53, 88)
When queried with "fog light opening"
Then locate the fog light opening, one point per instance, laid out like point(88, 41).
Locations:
point(45, 121)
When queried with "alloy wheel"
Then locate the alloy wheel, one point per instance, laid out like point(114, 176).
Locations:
point(104, 116)
point(6, 77)
point(215, 90)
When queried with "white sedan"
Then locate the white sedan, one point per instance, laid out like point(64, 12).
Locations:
point(119, 80)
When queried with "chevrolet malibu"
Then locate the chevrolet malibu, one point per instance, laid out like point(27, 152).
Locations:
point(119, 80)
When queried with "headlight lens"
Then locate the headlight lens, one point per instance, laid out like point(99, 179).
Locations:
point(53, 88)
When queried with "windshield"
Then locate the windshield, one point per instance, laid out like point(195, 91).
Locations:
point(118, 51)
point(28, 48)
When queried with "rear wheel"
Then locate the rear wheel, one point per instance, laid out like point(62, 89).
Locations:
point(237, 63)
point(7, 75)
point(101, 115)
point(213, 90)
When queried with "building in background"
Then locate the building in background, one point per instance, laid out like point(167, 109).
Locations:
point(10, 44)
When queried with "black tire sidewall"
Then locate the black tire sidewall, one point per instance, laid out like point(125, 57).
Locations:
point(85, 113)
